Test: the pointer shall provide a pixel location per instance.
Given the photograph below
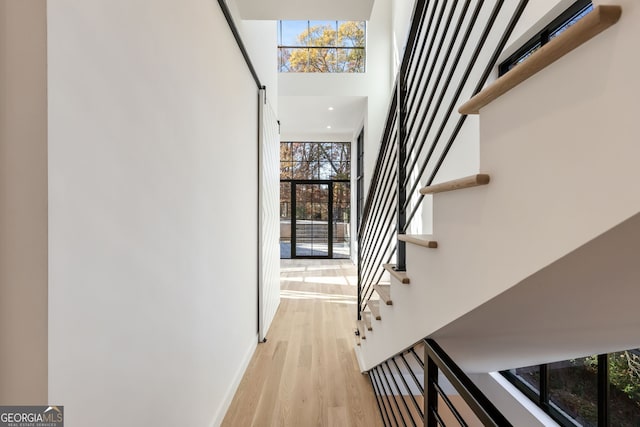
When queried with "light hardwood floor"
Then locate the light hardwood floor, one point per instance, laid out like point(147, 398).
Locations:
point(306, 374)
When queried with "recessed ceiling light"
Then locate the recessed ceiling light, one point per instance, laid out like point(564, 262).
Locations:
point(328, 127)
point(330, 108)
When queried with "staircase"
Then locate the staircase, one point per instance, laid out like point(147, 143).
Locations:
point(536, 258)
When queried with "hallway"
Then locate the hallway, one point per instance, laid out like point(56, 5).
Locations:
point(306, 374)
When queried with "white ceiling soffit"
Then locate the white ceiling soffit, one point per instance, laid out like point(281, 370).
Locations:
point(305, 115)
point(579, 305)
point(357, 10)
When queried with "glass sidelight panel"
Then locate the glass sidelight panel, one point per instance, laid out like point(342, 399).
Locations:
point(624, 388)
point(285, 220)
point(312, 220)
point(341, 219)
point(573, 389)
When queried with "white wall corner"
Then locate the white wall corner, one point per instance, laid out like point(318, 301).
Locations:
point(233, 387)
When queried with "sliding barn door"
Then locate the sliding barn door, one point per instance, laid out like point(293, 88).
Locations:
point(269, 267)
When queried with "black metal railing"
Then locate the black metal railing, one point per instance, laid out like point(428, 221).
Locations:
point(416, 387)
point(398, 386)
point(484, 411)
point(376, 237)
point(451, 51)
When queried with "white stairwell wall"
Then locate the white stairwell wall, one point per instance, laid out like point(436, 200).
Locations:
point(153, 222)
point(562, 153)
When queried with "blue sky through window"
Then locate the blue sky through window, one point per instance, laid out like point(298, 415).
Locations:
point(572, 21)
point(289, 31)
point(333, 47)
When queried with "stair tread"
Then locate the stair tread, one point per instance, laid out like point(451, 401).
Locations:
point(401, 276)
point(366, 316)
point(362, 328)
point(374, 306)
point(385, 293)
point(425, 240)
point(457, 184)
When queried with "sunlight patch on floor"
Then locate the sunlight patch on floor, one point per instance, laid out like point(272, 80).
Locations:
point(326, 280)
point(305, 295)
point(291, 270)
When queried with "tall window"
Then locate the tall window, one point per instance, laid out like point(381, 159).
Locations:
point(321, 46)
point(360, 176)
point(595, 391)
point(315, 199)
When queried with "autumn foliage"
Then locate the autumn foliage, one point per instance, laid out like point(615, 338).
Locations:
point(323, 49)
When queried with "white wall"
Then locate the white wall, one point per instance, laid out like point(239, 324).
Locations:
point(402, 10)
point(153, 211)
point(261, 40)
point(305, 9)
point(23, 202)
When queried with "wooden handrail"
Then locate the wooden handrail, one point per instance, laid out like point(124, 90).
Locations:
point(598, 20)
point(457, 184)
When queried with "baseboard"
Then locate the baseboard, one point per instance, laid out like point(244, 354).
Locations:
point(233, 387)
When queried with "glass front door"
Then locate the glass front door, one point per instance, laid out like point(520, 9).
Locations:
point(311, 226)
point(315, 219)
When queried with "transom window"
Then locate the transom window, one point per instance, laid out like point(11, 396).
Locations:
point(321, 46)
point(315, 160)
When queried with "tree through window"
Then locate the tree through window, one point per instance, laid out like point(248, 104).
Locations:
point(321, 46)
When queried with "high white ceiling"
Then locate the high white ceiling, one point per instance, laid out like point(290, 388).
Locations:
point(305, 115)
point(305, 9)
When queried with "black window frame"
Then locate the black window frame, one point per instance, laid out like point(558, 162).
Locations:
point(544, 35)
point(360, 178)
point(330, 182)
point(543, 399)
point(363, 48)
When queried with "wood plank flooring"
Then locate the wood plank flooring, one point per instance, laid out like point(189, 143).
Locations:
point(306, 374)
